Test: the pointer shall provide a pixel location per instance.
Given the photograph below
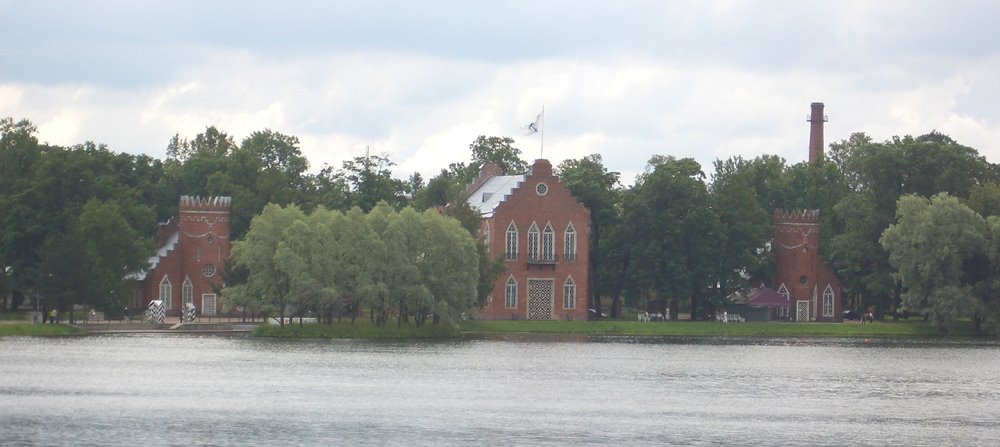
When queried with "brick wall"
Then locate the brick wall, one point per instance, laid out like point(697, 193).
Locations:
point(558, 208)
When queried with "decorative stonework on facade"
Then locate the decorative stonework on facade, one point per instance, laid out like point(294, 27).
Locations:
point(542, 232)
point(803, 276)
point(192, 248)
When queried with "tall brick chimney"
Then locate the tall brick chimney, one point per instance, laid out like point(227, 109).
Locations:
point(816, 120)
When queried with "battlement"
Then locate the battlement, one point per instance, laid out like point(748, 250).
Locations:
point(198, 203)
point(796, 216)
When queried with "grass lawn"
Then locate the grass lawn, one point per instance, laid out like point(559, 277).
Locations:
point(711, 328)
point(43, 330)
point(363, 329)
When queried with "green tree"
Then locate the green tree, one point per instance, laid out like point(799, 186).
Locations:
point(671, 232)
point(744, 226)
point(931, 247)
point(600, 191)
point(447, 260)
point(268, 282)
point(65, 268)
point(877, 175)
point(498, 150)
point(985, 199)
point(116, 247)
point(371, 182)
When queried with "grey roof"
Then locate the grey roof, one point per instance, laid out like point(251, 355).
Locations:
point(493, 191)
point(154, 260)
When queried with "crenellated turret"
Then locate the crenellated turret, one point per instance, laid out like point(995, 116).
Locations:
point(198, 203)
point(796, 216)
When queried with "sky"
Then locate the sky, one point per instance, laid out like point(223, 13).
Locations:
point(419, 81)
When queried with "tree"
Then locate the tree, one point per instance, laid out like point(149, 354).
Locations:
point(443, 189)
point(877, 175)
point(599, 190)
point(671, 232)
point(498, 150)
point(116, 248)
point(988, 288)
point(448, 269)
point(269, 282)
point(371, 182)
point(984, 198)
point(744, 226)
point(931, 247)
point(64, 270)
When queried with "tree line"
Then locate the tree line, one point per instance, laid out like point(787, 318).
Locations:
point(679, 235)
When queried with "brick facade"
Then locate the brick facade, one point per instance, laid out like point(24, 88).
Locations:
point(192, 250)
point(803, 277)
point(546, 274)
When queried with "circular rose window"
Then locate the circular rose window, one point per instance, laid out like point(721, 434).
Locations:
point(542, 189)
point(208, 270)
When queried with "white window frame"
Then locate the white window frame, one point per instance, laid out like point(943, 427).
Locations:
point(533, 242)
point(569, 243)
point(548, 243)
point(569, 293)
point(165, 291)
point(510, 293)
point(511, 242)
point(828, 304)
point(187, 293)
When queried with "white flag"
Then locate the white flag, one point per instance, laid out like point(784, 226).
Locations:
point(535, 126)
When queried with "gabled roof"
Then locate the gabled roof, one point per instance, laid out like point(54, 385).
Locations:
point(766, 297)
point(493, 192)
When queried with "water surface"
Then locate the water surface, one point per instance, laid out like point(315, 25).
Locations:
point(209, 390)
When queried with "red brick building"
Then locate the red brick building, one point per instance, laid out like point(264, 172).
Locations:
point(803, 277)
point(192, 248)
point(543, 234)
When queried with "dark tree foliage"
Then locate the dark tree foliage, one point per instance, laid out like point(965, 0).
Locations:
point(672, 236)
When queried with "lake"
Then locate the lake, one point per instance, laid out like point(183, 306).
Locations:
point(211, 390)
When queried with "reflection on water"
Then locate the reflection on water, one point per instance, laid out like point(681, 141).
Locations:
point(181, 390)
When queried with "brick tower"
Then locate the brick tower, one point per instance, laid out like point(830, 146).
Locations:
point(816, 120)
point(803, 276)
point(192, 251)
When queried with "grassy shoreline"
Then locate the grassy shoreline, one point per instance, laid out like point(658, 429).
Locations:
point(363, 329)
point(38, 330)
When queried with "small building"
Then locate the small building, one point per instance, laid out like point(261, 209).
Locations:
point(803, 277)
point(192, 248)
point(543, 234)
point(766, 304)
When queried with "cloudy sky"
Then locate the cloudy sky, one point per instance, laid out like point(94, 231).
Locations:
point(420, 80)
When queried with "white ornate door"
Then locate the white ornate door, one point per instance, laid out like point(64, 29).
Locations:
point(802, 310)
point(208, 304)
